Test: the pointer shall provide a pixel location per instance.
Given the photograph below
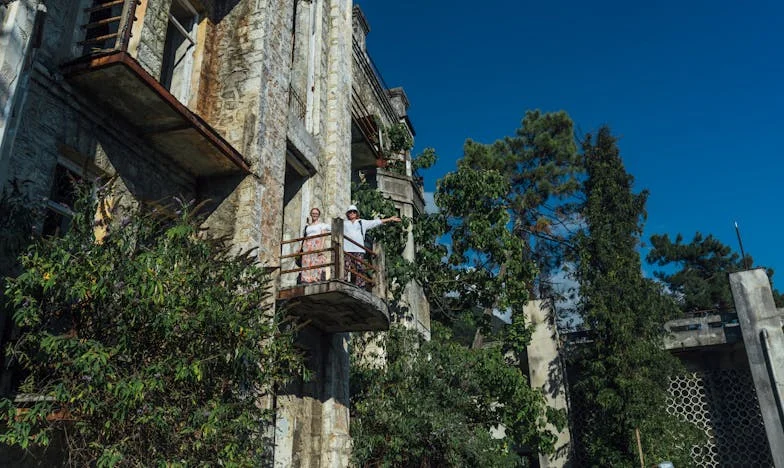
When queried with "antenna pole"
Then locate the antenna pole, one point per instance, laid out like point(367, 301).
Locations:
point(740, 242)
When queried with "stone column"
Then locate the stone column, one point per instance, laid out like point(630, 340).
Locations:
point(337, 151)
point(761, 325)
point(16, 30)
point(336, 440)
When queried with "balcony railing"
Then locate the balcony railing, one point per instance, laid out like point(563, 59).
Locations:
point(322, 290)
point(108, 25)
point(366, 139)
point(296, 104)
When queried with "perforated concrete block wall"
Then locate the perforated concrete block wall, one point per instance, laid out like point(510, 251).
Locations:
point(723, 404)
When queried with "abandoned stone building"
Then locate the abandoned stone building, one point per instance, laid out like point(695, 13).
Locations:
point(264, 108)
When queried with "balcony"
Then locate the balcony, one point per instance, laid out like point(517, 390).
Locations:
point(366, 149)
point(401, 188)
point(113, 80)
point(331, 302)
point(698, 330)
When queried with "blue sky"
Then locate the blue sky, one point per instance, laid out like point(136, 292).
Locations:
point(694, 90)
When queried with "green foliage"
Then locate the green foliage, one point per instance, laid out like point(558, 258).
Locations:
point(485, 267)
point(541, 166)
point(623, 372)
point(398, 142)
point(392, 237)
point(505, 211)
point(399, 138)
point(700, 283)
point(425, 159)
point(17, 215)
point(157, 346)
point(435, 403)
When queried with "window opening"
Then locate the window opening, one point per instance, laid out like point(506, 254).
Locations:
point(59, 206)
point(179, 48)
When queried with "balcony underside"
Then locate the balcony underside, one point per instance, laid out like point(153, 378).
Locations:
point(336, 306)
point(118, 83)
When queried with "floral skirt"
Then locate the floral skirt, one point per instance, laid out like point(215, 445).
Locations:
point(311, 260)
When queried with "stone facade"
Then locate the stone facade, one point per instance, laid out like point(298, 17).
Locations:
point(267, 85)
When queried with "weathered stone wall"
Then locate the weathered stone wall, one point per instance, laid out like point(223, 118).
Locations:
point(242, 75)
point(54, 116)
point(155, 23)
point(16, 26)
point(244, 95)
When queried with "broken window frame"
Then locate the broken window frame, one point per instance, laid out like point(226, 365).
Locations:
point(169, 63)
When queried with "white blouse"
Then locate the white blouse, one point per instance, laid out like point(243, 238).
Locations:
point(317, 228)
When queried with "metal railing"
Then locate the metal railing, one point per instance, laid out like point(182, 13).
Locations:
point(379, 89)
point(366, 123)
point(108, 27)
point(297, 104)
point(365, 269)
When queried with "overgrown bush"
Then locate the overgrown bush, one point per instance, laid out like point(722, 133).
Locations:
point(156, 346)
point(439, 403)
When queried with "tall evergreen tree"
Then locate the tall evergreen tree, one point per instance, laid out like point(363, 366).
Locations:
point(700, 283)
point(622, 373)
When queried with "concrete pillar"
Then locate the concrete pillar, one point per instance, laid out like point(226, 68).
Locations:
point(546, 374)
point(761, 325)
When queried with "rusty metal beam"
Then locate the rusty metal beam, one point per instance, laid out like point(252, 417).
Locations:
point(92, 63)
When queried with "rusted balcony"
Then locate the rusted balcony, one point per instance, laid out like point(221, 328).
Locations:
point(111, 78)
point(319, 290)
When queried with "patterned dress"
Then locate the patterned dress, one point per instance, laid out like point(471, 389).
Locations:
point(320, 258)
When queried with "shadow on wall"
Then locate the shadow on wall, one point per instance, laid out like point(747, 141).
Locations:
point(322, 358)
point(156, 180)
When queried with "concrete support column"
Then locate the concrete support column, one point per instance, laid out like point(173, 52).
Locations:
point(761, 325)
point(547, 374)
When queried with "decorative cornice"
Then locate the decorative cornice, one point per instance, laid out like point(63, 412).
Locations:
point(358, 18)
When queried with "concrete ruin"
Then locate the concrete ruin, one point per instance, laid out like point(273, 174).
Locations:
point(265, 109)
point(732, 387)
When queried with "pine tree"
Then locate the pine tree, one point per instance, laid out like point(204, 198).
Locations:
point(700, 283)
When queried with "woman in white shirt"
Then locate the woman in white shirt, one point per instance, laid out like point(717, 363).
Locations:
point(355, 229)
point(310, 244)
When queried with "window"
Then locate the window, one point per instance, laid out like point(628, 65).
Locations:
point(59, 206)
point(72, 170)
point(179, 49)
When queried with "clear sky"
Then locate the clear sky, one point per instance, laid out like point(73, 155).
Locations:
point(694, 89)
